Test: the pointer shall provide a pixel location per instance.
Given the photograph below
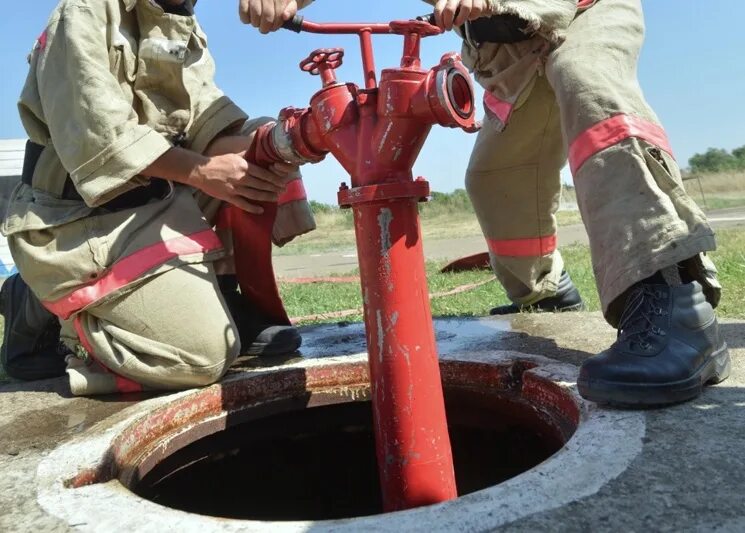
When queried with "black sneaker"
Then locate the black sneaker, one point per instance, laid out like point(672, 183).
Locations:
point(31, 346)
point(668, 347)
point(567, 298)
point(258, 336)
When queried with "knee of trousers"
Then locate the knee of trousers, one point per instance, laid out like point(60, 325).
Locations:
point(592, 85)
point(209, 360)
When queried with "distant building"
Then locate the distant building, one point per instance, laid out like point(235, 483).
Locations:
point(11, 165)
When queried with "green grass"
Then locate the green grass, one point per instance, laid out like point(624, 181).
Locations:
point(444, 216)
point(316, 298)
point(718, 190)
point(722, 202)
point(309, 299)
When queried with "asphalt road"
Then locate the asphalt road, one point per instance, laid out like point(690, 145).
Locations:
point(324, 264)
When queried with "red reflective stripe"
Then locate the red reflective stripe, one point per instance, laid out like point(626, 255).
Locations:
point(131, 268)
point(612, 131)
point(122, 384)
point(295, 191)
point(500, 108)
point(533, 247)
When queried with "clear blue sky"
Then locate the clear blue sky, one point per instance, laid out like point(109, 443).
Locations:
point(692, 70)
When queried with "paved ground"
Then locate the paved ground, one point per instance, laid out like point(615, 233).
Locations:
point(323, 264)
point(689, 475)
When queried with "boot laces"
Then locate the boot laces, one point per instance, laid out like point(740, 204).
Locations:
point(637, 324)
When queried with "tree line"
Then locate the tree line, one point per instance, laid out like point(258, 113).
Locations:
point(718, 160)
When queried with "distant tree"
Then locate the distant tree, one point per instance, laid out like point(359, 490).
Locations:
point(739, 155)
point(713, 160)
point(318, 207)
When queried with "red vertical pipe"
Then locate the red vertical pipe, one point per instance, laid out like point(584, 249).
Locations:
point(413, 447)
point(368, 59)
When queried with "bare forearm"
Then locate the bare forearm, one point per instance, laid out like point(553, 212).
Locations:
point(226, 176)
point(178, 165)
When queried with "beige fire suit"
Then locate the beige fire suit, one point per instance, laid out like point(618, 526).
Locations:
point(113, 85)
point(571, 91)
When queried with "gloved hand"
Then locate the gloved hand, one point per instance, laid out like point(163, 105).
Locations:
point(269, 15)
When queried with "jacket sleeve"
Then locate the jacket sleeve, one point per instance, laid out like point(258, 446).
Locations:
point(549, 18)
point(92, 125)
point(213, 111)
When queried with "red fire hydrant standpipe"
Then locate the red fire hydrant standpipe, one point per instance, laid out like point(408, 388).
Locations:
point(376, 133)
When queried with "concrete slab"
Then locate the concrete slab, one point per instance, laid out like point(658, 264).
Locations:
point(688, 474)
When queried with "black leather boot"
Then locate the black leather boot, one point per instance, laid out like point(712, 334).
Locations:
point(258, 336)
point(31, 346)
point(567, 298)
point(668, 347)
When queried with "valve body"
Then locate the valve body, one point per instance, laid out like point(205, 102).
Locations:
point(376, 134)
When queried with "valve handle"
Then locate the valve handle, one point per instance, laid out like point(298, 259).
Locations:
point(294, 24)
point(322, 59)
point(423, 28)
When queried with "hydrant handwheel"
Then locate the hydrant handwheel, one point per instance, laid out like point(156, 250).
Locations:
point(330, 58)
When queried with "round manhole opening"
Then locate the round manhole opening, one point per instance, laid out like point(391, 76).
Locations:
point(298, 445)
point(288, 446)
point(319, 463)
point(295, 451)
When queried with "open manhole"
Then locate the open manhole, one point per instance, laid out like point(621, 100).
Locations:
point(299, 445)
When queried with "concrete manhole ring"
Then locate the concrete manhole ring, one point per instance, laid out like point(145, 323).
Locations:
point(83, 481)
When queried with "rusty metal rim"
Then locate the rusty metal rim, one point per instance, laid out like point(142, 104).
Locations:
point(138, 448)
point(603, 446)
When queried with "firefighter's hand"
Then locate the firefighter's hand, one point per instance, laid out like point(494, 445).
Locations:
point(267, 15)
point(454, 13)
point(231, 178)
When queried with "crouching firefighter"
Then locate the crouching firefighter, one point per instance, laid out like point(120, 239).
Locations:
point(134, 157)
point(560, 81)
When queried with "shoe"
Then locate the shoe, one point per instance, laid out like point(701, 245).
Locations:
point(567, 298)
point(258, 336)
point(668, 347)
point(31, 346)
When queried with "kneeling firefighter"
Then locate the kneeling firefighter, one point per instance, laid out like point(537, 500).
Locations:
point(134, 154)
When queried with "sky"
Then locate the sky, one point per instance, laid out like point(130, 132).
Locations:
point(692, 71)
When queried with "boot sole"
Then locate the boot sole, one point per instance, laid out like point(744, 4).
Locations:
point(279, 346)
point(715, 370)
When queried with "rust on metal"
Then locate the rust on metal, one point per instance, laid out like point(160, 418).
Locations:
point(138, 448)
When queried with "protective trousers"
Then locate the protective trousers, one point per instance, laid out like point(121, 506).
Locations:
point(170, 331)
point(587, 105)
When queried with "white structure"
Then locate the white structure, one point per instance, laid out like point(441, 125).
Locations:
point(11, 164)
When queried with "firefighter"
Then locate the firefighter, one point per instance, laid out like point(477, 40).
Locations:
point(133, 151)
point(560, 81)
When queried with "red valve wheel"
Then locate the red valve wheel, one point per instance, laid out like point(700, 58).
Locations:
point(330, 57)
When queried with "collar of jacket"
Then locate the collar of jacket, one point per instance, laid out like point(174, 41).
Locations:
point(129, 5)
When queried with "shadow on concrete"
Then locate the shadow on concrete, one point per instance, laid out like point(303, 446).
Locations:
point(734, 334)
point(59, 386)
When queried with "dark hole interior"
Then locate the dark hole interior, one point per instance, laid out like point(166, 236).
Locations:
point(319, 463)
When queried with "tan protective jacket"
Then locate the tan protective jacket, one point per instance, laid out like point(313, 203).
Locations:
point(508, 71)
point(112, 85)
